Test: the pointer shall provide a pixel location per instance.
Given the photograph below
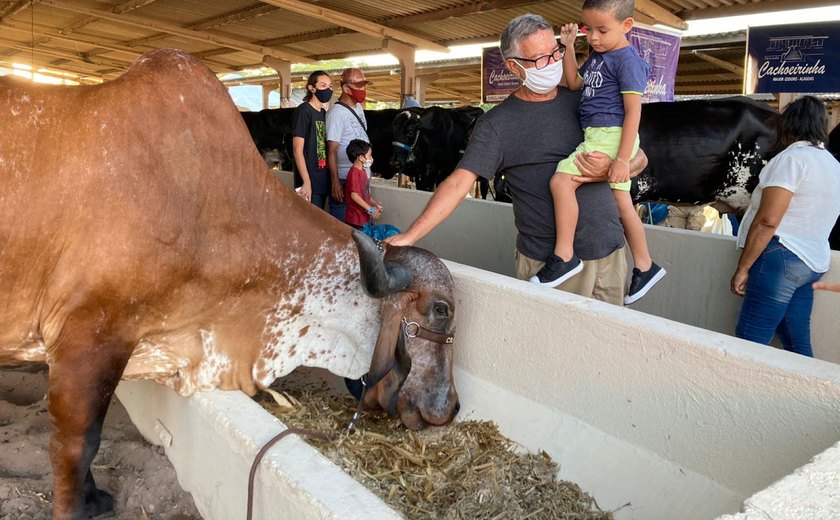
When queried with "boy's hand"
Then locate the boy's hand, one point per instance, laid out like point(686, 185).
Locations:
point(619, 171)
point(377, 213)
point(568, 35)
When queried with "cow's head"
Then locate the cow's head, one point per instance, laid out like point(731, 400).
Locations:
point(406, 130)
point(414, 371)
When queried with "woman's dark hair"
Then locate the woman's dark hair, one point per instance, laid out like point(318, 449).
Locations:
point(355, 148)
point(312, 81)
point(806, 119)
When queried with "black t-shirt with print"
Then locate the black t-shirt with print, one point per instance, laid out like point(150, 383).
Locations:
point(309, 123)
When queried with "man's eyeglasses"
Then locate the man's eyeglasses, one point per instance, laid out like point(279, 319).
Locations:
point(544, 61)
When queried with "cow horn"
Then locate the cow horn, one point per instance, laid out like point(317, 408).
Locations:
point(379, 278)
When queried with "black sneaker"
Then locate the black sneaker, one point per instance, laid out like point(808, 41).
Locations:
point(643, 282)
point(556, 271)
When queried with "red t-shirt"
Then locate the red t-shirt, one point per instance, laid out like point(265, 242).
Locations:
point(357, 182)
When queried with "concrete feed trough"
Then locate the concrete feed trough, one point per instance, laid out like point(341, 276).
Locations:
point(674, 420)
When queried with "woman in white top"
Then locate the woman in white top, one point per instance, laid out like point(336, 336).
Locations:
point(790, 216)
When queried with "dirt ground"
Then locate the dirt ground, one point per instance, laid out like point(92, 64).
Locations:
point(137, 474)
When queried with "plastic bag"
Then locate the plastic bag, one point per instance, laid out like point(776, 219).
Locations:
point(716, 223)
point(379, 231)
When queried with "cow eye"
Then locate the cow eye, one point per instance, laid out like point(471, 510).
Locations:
point(441, 309)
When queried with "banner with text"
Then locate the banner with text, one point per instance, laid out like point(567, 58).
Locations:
point(793, 58)
point(661, 50)
point(497, 82)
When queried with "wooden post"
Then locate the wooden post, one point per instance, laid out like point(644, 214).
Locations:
point(422, 83)
point(405, 54)
point(284, 72)
point(786, 98)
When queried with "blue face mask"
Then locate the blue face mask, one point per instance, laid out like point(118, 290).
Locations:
point(324, 95)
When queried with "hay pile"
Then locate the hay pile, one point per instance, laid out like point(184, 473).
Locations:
point(467, 470)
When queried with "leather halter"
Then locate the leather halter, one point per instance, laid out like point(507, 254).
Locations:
point(408, 330)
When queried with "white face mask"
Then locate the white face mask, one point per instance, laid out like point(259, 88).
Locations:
point(544, 80)
point(368, 163)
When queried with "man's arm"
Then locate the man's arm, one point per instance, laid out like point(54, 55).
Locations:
point(332, 163)
point(447, 197)
point(595, 166)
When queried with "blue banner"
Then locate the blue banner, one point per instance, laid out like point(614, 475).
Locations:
point(661, 51)
point(793, 58)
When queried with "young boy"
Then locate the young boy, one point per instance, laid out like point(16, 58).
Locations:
point(614, 78)
point(360, 207)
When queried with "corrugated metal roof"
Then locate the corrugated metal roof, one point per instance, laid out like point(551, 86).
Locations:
point(101, 38)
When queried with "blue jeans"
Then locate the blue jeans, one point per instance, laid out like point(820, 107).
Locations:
point(337, 208)
point(778, 300)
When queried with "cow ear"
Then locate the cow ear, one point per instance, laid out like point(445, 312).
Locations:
point(384, 353)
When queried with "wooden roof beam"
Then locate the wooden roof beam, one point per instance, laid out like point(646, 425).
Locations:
point(130, 5)
point(725, 65)
point(56, 53)
point(452, 12)
point(359, 25)
point(146, 23)
point(57, 69)
point(12, 8)
point(752, 8)
point(660, 14)
point(209, 23)
point(104, 46)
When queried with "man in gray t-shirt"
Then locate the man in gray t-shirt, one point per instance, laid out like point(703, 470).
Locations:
point(525, 137)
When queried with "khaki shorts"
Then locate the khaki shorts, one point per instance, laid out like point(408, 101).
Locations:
point(603, 279)
point(598, 139)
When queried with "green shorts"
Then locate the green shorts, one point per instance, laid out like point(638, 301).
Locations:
point(598, 139)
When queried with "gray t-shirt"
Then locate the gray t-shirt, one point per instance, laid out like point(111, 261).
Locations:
point(343, 127)
point(525, 140)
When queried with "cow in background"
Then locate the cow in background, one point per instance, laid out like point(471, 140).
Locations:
point(142, 237)
point(704, 151)
point(271, 131)
point(429, 144)
point(381, 134)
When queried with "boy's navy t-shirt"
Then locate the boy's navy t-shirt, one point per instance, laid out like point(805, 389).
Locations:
point(606, 78)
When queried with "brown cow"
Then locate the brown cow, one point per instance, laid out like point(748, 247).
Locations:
point(142, 236)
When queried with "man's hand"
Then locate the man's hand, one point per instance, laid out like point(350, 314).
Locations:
point(399, 240)
point(337, 191)
point(593, 167)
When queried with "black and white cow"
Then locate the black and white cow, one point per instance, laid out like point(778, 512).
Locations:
point(429, 144)
point(704, 151)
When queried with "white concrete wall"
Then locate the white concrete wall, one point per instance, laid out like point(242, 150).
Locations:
point(678, 421)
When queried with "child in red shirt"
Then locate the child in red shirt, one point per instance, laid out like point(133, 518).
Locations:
point(360, 207)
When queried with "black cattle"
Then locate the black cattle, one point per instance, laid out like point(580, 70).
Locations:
point(429, 144)
point(381, 134)
point(271, 130)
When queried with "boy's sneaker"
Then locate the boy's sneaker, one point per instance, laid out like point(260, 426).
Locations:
point(643, 282)
point(556, 271)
